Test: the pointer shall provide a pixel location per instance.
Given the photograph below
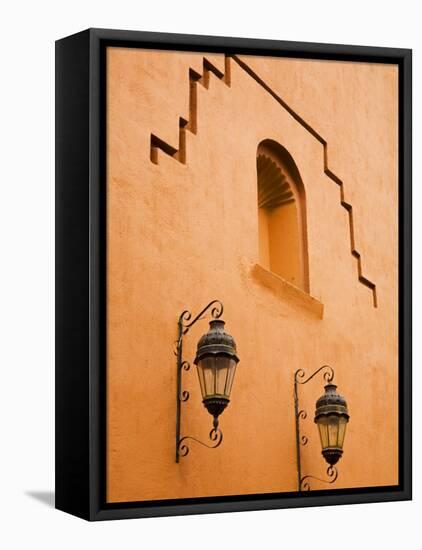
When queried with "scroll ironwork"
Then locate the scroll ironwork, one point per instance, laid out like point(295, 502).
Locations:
point(184, 324)
point(301, 440)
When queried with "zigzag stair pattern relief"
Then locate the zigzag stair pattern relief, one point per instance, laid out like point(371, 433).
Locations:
point(191, 125)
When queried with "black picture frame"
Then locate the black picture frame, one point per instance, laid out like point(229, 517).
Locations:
point(80, 273)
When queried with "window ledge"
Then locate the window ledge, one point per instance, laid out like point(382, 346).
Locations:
point(286, 291)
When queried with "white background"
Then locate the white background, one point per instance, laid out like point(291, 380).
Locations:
point(28, 32)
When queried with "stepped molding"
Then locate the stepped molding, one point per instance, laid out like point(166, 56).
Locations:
point(180, 154)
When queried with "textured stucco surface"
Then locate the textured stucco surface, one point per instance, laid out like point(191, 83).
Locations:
point(180, 235)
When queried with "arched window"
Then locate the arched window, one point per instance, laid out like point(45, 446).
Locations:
point(281, 215)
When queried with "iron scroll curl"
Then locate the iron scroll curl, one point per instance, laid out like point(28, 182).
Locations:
point(332, 474)
point(216, 313)
point(328, 375)
point(215, 435)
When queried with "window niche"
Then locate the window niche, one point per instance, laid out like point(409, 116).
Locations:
point(281, 215)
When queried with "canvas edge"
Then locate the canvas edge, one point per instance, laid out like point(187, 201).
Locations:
point(95, 174)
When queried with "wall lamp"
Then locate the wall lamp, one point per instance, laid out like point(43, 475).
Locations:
point(215, 361)
point(331, 417)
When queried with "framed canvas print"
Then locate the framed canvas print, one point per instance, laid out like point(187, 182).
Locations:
point(233, 274)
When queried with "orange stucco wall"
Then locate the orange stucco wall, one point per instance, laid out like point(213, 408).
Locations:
point(181, 234)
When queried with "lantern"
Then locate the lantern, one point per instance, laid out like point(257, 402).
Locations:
point(331, 417)
point(216, 362)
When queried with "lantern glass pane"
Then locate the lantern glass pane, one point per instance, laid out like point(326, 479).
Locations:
point(333, 424)
point(209, 374)
point(216, 374)
point(230, 378)
point(201, 377)
point(222, 364)
point(323, 431)
point(341, 431)
point(206, 373)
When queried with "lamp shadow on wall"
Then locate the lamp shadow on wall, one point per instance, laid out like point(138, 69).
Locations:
point(45, 497)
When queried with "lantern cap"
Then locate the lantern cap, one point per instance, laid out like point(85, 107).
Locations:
point(216, 342)
point(331, 402)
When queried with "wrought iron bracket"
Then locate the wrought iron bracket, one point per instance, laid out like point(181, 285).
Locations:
point(183, 326)
point(332, 475)
point(301, 440)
